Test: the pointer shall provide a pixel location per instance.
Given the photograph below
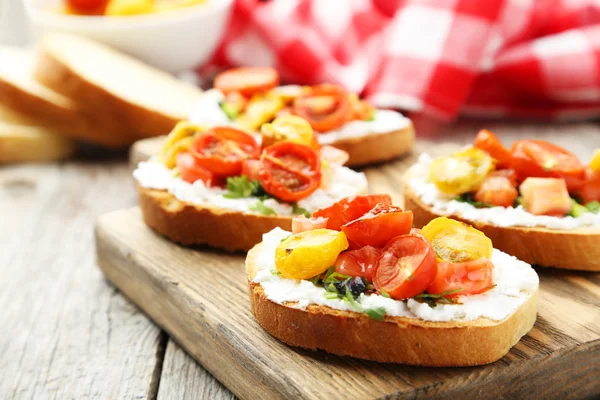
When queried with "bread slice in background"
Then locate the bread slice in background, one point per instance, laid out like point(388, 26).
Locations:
point(132, 96)
point(22, 141)
point(21, 94)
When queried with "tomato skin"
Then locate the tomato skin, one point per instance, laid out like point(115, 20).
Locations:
point(251, 169)
point(222, 150)
point(378, 226)
point(89, 7)
point(290, 171)
point(362, 262)
point(191, 172)
point(497, 190)
point(406, 268)
point(546, 196)
point(246, 80)
point(472, 276)
point(510, 174)
point(489, 142)
point(323, 120)
point(351, 208)
point(538, 158)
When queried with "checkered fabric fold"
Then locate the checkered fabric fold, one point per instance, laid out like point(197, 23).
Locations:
point(441, 58)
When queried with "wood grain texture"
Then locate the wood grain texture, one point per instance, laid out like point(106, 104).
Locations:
point(200, 298)
point(67, 333)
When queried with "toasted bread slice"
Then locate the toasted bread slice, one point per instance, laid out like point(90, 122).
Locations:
point(363, 150)
point(135, 97)
point(377, 148)
point(26, 143)
point(577, 249)
point(395, 339)
point(190, 224)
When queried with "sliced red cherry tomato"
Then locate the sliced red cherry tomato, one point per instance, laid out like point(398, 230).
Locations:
point(88, 7)
point(489, 142)
point(361, 262)
point(406, 268)
point(251, 168)
point(325, 107)
point(472, 277)
point(362, 110)
point(222, 150)
point(290, 171)
point(302, 224)
point(537, 158)
point(247, 80)
point(497, 190)
point(191, 172)
point(378, 226)
point(351, 208)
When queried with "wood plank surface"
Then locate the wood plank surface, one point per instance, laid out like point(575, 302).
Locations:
point(200, 298)
point(66, 333)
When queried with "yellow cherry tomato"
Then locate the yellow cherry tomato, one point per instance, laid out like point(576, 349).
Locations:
point(288, 93)
point(310, 253)
point(461, 172)
point(595, 163)
point(455, 241)
point(287, 127)
point(180, 139)
point(260, 109)
point(129, 7)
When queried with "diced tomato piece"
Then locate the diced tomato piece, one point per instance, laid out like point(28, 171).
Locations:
point(351, 208)
point(378, 226)
point(590, 189)
point(497, 190)
point(300, 223)
point(361, 262)
point(251, 169)
point(472, 277)
point(489, 142)
point(334, 155)
point(406, 268)
point(511, 174)
point(191, 172)
point(546, 196)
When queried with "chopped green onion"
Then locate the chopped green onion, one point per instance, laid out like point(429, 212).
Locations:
point(377, 313)
point(331, 296)
point(593, 206)
point(301, 211)
point(261, 208)
point(385, 294)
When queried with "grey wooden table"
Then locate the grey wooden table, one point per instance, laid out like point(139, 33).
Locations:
point(65, 332)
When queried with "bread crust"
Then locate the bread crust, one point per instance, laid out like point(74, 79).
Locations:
point(377, 148)
point(190, 224)
point(577, 249)
point(395, 339)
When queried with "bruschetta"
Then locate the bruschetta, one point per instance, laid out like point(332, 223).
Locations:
point(356, 280)
point(536, 201)
point(218, 186)
point(250, 97)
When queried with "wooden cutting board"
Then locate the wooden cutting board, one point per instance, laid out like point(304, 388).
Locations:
point(200, 298)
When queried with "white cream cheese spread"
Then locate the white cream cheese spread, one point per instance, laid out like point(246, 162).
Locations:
point(154, 175)
point(515, 282)
point(208, 111)
point(442, 204)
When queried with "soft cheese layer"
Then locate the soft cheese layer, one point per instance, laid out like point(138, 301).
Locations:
point(442, 204)
point(208, 111)
point(154, 175)
point(515, 282)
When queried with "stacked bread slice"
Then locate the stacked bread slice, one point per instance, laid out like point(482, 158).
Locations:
point(78, 89)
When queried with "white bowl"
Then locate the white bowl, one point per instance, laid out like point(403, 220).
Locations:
point(173, 41)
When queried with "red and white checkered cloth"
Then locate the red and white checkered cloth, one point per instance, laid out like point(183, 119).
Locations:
point(440, 58)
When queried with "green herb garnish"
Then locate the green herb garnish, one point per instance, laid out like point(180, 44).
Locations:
point(175, 172)
point(260, 207)
point(518, 202)
point(578, 209)
point(231, 110)
point(274, 272)
point(468, 198)
point(593, 206)
point(334, 277)
point(350, 299)
point(440, 298)
point(300, 211)
point(376, 313)
point(240, 186)
point(385, 294)
point(331, 296)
